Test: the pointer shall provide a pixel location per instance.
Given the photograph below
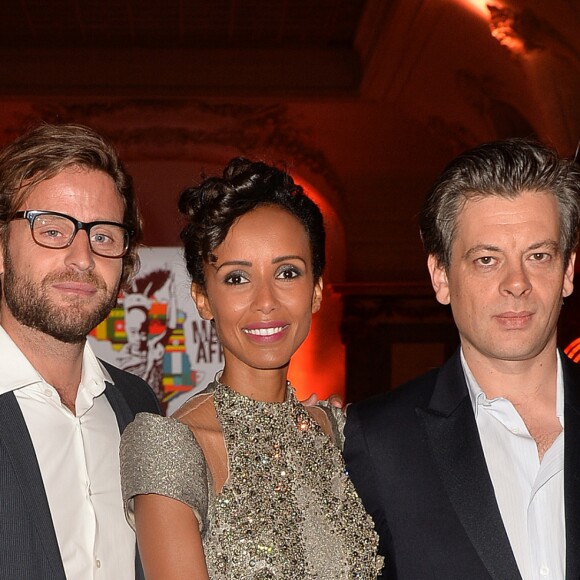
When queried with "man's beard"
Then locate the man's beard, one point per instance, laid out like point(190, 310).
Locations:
point(31, 305)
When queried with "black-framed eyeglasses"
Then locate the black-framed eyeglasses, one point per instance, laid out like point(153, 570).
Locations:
point(51, 229)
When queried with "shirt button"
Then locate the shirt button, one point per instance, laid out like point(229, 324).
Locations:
point(544, 571)
point(98, 563)
point(48, 392)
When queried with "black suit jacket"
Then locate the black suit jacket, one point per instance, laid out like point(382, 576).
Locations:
point(28, 545)
point(416, 460)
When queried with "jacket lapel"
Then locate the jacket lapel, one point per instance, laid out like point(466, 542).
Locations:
point(16, 439)
point(124, 417)
point(452, 433)
point(572, 467)
point(119, 405)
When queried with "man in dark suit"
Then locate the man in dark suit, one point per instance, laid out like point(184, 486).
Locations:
point(472, 471)
point(69, 229)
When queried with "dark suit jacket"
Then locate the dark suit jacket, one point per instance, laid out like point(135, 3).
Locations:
point(416, 460)
point(28, 545)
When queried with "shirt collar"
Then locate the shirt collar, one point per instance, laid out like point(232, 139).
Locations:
point(18, 372)
point(94, 374)
point(478, 397)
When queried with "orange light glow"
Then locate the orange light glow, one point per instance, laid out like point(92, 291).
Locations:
point(319, 365)
point(573, 350)
point(478, 7)
point(501, 22)
point(504, 28)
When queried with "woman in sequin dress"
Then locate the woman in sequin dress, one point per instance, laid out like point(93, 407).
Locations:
point(243, 481)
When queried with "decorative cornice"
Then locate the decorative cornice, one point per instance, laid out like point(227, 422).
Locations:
point(523, 32)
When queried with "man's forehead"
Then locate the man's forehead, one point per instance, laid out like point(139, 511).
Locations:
point(85, 195)
point(530, 218)
point(499, 209)
point(69, 176)
point(471, 198)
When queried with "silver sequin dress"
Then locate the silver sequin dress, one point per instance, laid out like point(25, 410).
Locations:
point(286, 508)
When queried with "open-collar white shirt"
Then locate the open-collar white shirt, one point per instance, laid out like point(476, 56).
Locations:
point(78, 455)
point(530, 494)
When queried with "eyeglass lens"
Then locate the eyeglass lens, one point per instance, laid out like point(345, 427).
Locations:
point(53, 231)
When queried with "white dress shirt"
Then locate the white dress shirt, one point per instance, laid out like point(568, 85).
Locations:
point(530, 494)
point(78, 455)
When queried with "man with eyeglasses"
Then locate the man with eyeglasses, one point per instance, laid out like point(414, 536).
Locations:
point(69, 229)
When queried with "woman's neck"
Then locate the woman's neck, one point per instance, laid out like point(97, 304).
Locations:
point(267, 385)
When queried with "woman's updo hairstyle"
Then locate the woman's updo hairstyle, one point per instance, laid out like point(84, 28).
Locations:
point(212, 207)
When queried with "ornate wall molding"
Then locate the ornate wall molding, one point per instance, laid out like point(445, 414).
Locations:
point(182, 129)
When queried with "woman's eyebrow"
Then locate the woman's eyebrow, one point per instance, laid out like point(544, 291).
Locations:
point(233, 263)
point(289, 257)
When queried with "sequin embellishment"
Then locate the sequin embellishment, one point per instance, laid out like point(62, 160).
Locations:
point(287, 510)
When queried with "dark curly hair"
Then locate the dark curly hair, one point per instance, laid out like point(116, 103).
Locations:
point(505, 169)
point(213, 206)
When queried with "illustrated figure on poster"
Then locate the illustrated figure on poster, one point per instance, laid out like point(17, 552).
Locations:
point(142, 355)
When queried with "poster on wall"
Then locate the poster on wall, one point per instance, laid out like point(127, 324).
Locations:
point(156, 333)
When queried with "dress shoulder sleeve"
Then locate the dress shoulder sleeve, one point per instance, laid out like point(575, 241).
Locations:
point(337, 420)
point(160, 455)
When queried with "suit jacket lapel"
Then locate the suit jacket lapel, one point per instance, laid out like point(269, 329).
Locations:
point(572, 467)
point(119, 405)
point(16, 439)
point(124, 417)
point(452, 433)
